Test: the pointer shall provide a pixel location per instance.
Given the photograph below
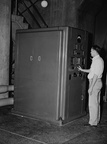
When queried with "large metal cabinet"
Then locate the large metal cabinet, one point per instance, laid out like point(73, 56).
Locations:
point(48, 84)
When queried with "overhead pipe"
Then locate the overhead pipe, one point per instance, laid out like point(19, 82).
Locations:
point(4, 89)
point(6, 101)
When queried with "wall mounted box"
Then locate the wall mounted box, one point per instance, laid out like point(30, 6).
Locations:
point(48, 84)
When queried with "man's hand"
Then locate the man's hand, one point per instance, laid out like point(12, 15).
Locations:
point(79, 68)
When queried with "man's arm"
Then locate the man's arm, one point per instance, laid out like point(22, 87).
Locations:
point(92, 84)
point(83, 70)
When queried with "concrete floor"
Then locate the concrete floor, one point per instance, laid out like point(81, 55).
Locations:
point(20, 130)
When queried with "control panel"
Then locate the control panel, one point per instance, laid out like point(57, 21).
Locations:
point(77, 57)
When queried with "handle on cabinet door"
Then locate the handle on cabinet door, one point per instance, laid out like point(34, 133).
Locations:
point(39, 58)
point(31, 58)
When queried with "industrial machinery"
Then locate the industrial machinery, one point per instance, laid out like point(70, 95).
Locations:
point(48, 84)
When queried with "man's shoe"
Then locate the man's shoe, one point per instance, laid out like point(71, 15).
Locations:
point(95, 126)
point(88, 125)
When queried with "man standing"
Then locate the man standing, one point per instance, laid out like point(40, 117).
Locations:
point(95, 85)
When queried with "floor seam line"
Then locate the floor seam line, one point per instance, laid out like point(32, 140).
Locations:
point(22, 136)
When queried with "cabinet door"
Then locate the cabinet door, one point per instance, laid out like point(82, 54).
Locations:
point(23, 70)
point(46, 74)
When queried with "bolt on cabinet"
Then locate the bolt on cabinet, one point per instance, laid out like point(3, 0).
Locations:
point(48, 84)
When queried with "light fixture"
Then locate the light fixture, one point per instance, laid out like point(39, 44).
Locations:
point(44, 3)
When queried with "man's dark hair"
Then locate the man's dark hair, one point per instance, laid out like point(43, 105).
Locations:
point(97, 48)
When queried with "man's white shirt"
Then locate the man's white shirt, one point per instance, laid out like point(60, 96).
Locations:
point(97, 67)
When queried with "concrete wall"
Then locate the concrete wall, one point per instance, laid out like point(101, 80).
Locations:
point(101, 39)
point(101, 28)
point(5, 11)
point(59, 12)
